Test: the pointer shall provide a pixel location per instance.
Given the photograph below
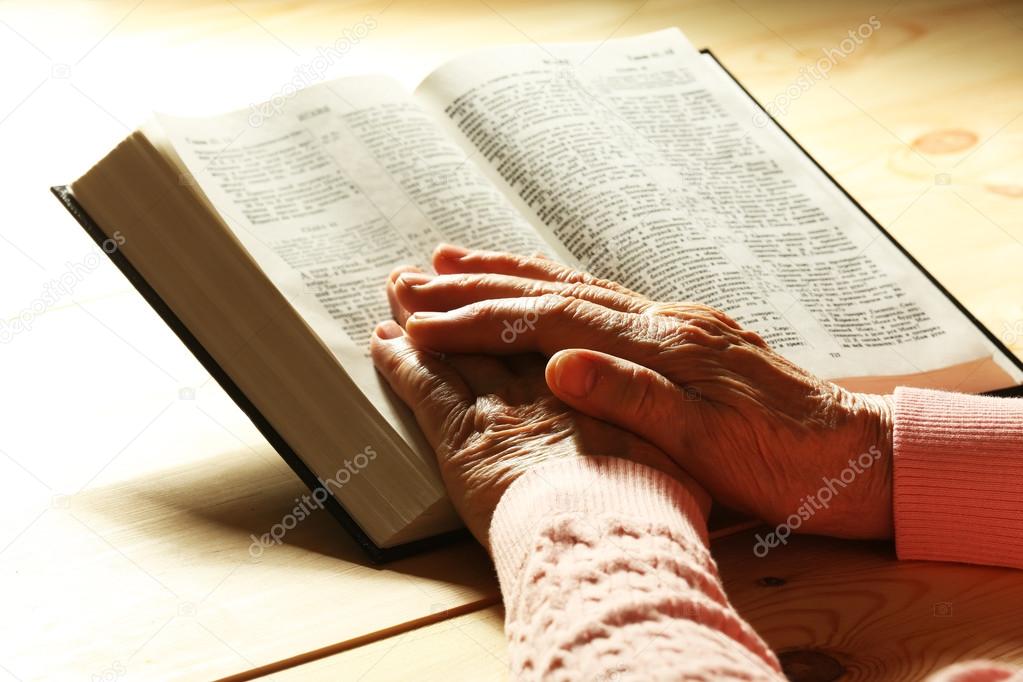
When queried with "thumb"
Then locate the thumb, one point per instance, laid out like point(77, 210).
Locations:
point(622, 393)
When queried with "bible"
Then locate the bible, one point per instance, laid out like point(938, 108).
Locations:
point(264, 237)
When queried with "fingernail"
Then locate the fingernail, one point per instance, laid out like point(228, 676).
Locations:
point(388, 330)
point(575, 375)
point(426, 315)
point(411, 279)
point(398, 272)
point(451, 251)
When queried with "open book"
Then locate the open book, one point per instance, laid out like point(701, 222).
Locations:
point(264, 237)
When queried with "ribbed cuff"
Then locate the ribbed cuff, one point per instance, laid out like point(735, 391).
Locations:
point(592, 487)
point(958, 477)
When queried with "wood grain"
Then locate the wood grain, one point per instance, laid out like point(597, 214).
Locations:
point(831, 609)
point(469, 647)
point(877, 618)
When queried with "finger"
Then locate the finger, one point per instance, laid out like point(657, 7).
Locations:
point(550, 323)
point(484, 374)
point(625, 394)
point(697, 312)
point(418, 292)
point(528, 369)
point(525, 364)
point(449, 259)
point(398, 312)
point(433, 389)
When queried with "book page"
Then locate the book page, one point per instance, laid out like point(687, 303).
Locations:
point(643, 158)
point(330, 193)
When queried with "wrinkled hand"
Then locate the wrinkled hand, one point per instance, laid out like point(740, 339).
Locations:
point(761, 434)
point(490, 419)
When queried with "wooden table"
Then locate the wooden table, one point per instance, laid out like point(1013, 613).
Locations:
point(131, 484)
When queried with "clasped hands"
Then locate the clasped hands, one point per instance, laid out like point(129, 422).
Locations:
point(510, 361)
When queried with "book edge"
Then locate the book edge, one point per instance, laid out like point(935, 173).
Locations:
point(374, 552)
point(1008, 391)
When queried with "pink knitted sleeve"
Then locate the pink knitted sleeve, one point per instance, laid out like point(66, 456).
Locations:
point(958, 478)
point(977, 671)
point(606, 575)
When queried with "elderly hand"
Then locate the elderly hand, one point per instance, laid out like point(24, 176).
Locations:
point(490, 419)
point(761, 434)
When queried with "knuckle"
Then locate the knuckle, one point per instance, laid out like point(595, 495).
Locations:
point(555, 303)
point(570, 276)
point(667, 331)
point(647, 307)
point(516, 261)
point(457, 427)
point(689, 333)
point(754, 339)
point(402, 355)
point(721, 320)
point(712, 317)
point(646, 400)
point(479, 310)
point(576, 290)
point(710, 325)
point(643, 399)
point(604, 283)
point(405, 364)
point(462, 279)
point(537, 288)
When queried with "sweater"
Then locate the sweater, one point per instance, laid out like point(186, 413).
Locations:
point(606, 572)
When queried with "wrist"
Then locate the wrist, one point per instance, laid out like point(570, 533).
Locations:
point(876, 418)
point(846, 489)
point(590, 487)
